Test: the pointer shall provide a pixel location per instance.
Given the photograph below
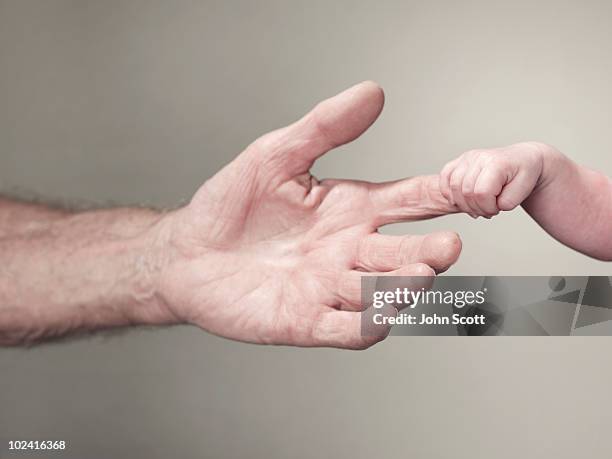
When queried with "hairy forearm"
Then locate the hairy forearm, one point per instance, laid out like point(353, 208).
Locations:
point(18, 217)
point(574, 205)
point(62, 272)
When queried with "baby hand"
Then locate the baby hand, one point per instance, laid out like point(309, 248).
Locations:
point(484, 182)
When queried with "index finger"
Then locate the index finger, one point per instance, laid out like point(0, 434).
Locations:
point(416, 198)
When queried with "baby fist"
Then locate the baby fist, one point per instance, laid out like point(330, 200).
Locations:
point(487, 181)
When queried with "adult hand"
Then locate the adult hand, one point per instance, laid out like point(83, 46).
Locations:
point(266, 253)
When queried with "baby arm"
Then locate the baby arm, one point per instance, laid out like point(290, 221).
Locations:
point(572, 203)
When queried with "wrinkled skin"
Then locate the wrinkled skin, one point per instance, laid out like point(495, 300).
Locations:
point(265, 253)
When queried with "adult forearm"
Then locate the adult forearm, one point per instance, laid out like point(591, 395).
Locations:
point(79, 271)
point(574, 205)
point(18, 217)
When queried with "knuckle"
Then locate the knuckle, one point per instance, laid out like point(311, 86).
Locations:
point(467, 190)
point(488, 157)
point(404, 253)
point(500, 162)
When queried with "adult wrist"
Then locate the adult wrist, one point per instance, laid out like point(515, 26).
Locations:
point(151, 265)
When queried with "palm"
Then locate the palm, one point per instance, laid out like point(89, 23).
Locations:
point(288, 252)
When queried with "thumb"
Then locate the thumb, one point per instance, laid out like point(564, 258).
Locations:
point(333, 122)
point(291, 151)
point(415, 198)
point(517, 190)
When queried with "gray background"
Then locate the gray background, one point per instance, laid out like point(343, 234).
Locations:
point(140, 101)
